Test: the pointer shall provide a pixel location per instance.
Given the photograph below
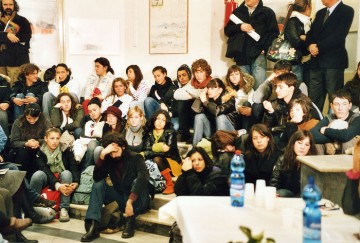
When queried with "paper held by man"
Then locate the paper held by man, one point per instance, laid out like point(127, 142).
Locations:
point(253, 33)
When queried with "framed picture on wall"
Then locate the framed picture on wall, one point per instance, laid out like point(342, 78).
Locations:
point(168, 28)
point(45, 16)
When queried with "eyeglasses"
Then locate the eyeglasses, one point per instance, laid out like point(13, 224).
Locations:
point(329, 206)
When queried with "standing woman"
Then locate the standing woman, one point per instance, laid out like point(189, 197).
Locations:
point(286, 174)
point(260, 154)
point(161, 147)
point(118, 97)
point(50, 160)
point(200, 177)
point(67, 114)
point(135, 129)
point(98, 84)
point(27, 135)
point(295, 32)
point(137, 87)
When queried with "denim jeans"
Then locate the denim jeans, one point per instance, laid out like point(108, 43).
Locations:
point(223, 123)
point(89, 154)
point(19, 110)
point(101, 194)
point(4, 122)
point(151, 105)
point(202, 128)
point(97, 152)
point(257, 69)
point(39, 181)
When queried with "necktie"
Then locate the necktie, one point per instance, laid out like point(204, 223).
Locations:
point(326, 15)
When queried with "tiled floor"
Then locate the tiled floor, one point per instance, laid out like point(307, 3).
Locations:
point(72, 231)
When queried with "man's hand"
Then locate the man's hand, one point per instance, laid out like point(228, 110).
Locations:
point(29, 99)
point(18, 101)
point(129, 211)
point(267, 105)
point(4, 106)
point(12, 37)
point(110, 148)
point(246, 27)
point(314, 50)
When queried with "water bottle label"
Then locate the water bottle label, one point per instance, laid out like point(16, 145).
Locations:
point(312, 230)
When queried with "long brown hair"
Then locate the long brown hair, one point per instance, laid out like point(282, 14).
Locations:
point(232, 69)
point(221, 139)
point(290, 161)
point(73, 110)
point(263, 130)
point(32, 131)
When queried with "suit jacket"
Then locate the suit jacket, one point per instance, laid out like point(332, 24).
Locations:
point(330, 37)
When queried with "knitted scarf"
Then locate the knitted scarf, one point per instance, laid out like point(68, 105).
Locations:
point(54, 159)
point(201, 85)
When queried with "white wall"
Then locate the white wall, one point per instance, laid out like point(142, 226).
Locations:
point(206, 37)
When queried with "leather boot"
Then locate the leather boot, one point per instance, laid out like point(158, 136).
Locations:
point(169, 183)
point(129, 230)
point(30, 212)
point(93, 231)
point(21, 238)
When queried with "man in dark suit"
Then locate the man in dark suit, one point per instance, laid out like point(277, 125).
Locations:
point(326, 43)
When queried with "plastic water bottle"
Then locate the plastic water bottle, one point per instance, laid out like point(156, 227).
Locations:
point(237, 180)
point(311, 214)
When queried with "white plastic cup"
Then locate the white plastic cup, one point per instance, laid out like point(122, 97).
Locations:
point(249, 191)
point(270, 196)
point(287, 216)
point(260, 192)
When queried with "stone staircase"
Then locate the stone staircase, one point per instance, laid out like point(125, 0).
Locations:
point(147, 222)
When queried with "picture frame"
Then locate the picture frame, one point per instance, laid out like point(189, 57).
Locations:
point(168, 26)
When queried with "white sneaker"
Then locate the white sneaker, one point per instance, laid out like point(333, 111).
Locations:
point(64, 215)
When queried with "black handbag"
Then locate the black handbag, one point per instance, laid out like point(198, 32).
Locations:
point(281, 49)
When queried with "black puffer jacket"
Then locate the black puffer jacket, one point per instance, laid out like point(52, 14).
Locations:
point(169, 138)
point(4, 90)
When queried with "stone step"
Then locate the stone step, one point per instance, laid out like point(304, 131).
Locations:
point(147, 222)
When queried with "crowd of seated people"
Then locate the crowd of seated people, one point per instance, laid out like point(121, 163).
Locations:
point(271, 125)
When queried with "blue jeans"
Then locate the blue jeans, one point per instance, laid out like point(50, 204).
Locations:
point(150, 105)
point(89, 154)
point(202, 128)
point(101, 194)
point(4, 122)
point(39, 181)
point(257, 69)
point(97, 152)
point(223, 123)
point(19, 110)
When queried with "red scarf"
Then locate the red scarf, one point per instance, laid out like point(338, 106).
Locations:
point(202, 85)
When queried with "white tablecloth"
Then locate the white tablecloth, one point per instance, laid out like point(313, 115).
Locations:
point(212, 219)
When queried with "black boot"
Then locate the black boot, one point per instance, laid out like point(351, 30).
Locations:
point(129, 230)
point(92, 232)
point(21, 238)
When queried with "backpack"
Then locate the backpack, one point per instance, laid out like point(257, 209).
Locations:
point(156, 179)
point(82, 193)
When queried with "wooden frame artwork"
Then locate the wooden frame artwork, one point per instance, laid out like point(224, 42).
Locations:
point(168, 26)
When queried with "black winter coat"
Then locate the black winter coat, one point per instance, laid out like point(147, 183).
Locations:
point(69, 164)
point(38, 88)
point(263, 20)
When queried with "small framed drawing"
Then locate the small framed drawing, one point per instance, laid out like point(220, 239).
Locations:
point(168, 26)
